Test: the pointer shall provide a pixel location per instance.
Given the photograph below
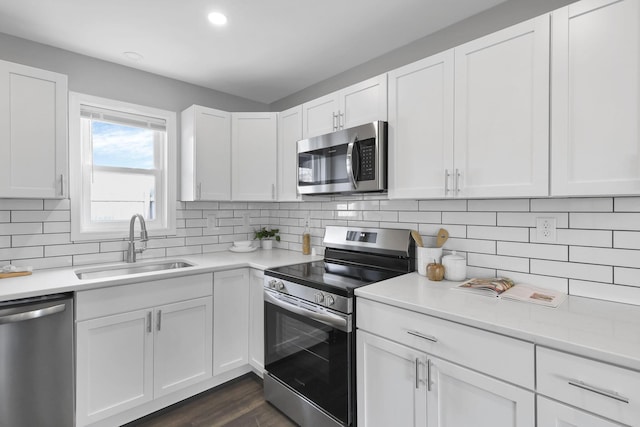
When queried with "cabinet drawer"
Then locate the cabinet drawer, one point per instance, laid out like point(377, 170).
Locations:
point(120, 299)
point(598, 387)
point(502, 357)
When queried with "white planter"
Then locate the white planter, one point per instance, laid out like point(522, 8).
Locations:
point(267, 244)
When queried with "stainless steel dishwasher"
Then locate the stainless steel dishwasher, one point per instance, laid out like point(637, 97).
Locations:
point(36, 362)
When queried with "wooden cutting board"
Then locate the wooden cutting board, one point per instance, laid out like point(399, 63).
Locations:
point(14, 274)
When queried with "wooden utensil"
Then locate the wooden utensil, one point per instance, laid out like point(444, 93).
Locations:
point(417, 237)
point(442, 237)
point(14, 274)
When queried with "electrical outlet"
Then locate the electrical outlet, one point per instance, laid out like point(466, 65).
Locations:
point(546, 230)
point(212, 221)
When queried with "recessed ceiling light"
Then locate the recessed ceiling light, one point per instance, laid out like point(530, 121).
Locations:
point(217, 18)
point(133, 56)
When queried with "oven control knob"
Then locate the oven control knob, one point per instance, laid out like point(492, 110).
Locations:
point(328, 300)
point(319, 298)
point(279, 285)
point(272, 283)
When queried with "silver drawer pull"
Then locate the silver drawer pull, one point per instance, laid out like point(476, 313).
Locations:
point(423, 336)
point(606, 393)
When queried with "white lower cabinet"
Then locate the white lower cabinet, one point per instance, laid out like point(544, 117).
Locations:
point(458, 396)
point(138, 342)
point(256, 321)
point(554, 414)
point(404, 380)
point(391, 386)
point(230, 320)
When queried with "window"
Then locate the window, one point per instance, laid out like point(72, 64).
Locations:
point(122, 163)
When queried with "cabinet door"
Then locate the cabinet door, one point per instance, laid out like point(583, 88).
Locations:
point(206, 154)
point(230, 320)
point(256, 321)
point(554, 414)
point(595, 99)
point(421, 128)
point(33, 132)
point(320, 116)
point(363, 103)
point(289, 133)
point(183, 344)
point(391, 383)
point(502, 112)
point(114, 365)
point(461, 397)
point(254, 145)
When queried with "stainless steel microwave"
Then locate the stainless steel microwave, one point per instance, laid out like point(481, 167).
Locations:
point(348, 161)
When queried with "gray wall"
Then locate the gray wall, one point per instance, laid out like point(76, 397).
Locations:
point(501, 16)
point(109, 80)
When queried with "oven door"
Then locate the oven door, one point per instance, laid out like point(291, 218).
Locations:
point(310, 349)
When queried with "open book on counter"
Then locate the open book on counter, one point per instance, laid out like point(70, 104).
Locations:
point(505, 288)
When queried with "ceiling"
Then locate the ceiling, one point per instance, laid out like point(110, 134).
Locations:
point(268, 50)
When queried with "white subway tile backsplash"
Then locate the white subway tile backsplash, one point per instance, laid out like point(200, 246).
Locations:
point(21, 204)
point(573, 237)
point(510, 234)
point(626, 204)
point(40, 239)
point(40, 216)
point(200, 205)
point(626, 276)
point(98, 258)
point(547, 282)
point(454, 230)
point(572, 270)
point(5, 241)
point(480, 272)
point(498, 262)
point(522, 219)
point(21, 253)
point(626, 239)
point(42, 263)
point(5, 216)
point(72, 249)
point(469, 218)
point(56, 227)
point(617, 293)
point(572, 205)
point(364, 205)
point(205, 240)
point(442, 205)
point(56, 205)
point(420, 217)
point(605, 221)
point(399, 205)
point(184, 250)
point(500, 205)
point(21, 228)
point(534, 250)
point(605, 256)
point(470, 245)
point(387, 216)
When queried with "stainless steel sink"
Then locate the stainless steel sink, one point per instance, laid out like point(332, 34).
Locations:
point(128, 269)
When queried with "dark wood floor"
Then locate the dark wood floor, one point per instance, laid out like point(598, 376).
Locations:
point(236, 404)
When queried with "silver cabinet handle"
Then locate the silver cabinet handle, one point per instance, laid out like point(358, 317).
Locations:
point(32, 314)
point(335, 121)
point(446, 181)
point(148, 322)
point(417, 373)
point(159, 320)
point(607, 393)
point(199, 195)
point(428, 374)
point(340, 120)
point(423, 336)
point(273, 191)
point(458, 181)
point(61, 185)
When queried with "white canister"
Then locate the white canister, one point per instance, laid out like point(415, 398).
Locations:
point(425, 256)
point(455, 267)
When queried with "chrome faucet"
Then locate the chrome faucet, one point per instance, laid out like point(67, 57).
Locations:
point(132, 251)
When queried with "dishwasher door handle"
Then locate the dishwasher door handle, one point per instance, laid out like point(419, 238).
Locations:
point(32, 314)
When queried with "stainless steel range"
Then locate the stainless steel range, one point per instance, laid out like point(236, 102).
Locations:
point(310, 322)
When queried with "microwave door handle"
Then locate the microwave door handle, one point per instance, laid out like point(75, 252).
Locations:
point(352, 177)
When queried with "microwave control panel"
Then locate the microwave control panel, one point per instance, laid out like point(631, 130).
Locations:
point(367, 160)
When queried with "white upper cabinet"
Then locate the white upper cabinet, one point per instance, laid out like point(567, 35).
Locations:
point(421, 127)
point(254, 142)
point(595, 104)
point(289, 133)
point(33, 132)
point(501, 146)
point(358, 104)
point(206, 154)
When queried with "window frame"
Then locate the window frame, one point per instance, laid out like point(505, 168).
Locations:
point(82, 228)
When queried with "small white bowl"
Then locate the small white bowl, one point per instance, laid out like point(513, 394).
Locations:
point(242, 243)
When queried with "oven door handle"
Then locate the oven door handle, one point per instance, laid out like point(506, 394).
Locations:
point(326, 318)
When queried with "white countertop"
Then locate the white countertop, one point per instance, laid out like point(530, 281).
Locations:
point(51, 281)
point(593, 328)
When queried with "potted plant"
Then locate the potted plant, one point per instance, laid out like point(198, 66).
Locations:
point(266, 235)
